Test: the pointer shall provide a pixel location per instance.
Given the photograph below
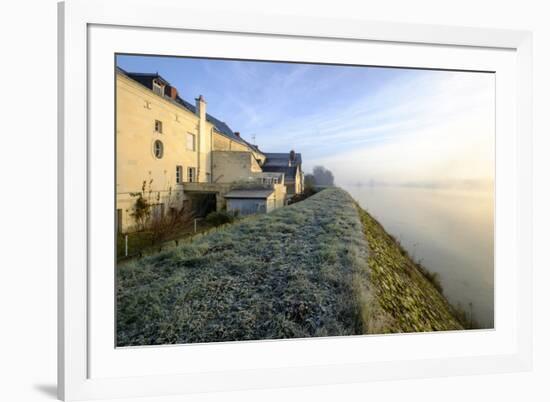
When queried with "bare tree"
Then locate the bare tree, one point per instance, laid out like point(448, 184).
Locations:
point(163, 224)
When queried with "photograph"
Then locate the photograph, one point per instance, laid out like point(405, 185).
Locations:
point(266, 200)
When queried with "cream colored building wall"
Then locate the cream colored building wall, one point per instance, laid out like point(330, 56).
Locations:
point(137, 110)
point(259, 156)
point(279, 195)
point(222, 143)
point(271, 202)
point(233, 166)
point(299, 181)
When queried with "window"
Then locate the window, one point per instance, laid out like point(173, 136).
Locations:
point(158, 126)
point(190, 142)
point(179, 174)
point(158, 88)
point(191, 174)
point(158, 149)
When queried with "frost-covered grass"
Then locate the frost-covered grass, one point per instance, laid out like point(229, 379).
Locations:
point(299, 271)
point(320, 267)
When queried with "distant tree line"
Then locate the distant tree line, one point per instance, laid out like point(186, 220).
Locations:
point(321, 176)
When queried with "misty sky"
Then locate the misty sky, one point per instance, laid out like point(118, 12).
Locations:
point(389, 125)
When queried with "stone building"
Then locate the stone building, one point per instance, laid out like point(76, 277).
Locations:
point(174, 152)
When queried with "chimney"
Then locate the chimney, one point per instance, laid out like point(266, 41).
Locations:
point(200, 106)
point(173, 92)
point(292, 155)
point(238, 134)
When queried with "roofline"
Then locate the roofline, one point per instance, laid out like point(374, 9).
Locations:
point(127, 74)
point(254, 197)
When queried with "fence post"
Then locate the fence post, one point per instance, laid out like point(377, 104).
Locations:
point(126, 245)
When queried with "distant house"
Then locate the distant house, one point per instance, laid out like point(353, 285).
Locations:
point(291, 165)
point(177, 154)
point(248, 202)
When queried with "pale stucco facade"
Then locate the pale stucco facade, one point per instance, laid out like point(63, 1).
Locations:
point(143, 119)
point(165, 143)
point(232, 166)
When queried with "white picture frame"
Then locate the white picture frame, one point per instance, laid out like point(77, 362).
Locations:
point(83, 29)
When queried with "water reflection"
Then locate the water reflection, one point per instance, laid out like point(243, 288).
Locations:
point(449, 231)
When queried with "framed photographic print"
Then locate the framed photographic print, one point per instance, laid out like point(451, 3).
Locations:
point(257, 201)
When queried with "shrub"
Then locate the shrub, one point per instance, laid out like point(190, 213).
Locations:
point(220, 217)
point(308, 192)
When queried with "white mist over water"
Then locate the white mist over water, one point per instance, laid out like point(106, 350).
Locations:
point(449, 231)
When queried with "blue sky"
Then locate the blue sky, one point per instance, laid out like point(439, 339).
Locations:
point(363, 123)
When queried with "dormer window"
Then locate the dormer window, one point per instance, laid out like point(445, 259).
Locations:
point(158, 87)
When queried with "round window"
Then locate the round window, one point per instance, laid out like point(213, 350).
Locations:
point(158, 149)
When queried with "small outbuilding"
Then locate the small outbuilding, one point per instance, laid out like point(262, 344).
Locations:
point(247, 202)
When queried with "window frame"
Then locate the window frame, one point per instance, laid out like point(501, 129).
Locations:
point(191, 174)
point(158, 126)
point(160, 149)
point(158, 88)
point(179, 174)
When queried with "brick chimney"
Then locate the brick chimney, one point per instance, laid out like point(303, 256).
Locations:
point(173, 92)
point(238, 134)
point(292, 156)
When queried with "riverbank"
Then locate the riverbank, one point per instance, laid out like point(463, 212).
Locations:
point(408, 297)
point(320, 267)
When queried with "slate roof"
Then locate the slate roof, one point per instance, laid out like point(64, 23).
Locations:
point(146, 79)
point(289, 171)
point(253, 194)
point(282, 158)
point(278, 162)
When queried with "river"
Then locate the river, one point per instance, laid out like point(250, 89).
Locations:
point(449, 231)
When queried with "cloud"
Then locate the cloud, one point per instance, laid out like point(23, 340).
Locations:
point(434, 128)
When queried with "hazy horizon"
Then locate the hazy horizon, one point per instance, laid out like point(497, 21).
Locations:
point(368, 125)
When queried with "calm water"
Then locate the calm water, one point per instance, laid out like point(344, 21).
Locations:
point(449, 231)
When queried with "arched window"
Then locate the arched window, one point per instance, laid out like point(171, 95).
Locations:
point(158, 149)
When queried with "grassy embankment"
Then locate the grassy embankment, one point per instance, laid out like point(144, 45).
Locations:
point(300, 271)
point(408, 297)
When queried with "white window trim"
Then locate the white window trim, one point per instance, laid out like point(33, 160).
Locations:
point(191, 174)
point(158, 88)
point(161, 149)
